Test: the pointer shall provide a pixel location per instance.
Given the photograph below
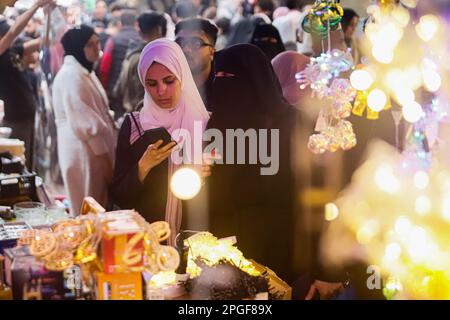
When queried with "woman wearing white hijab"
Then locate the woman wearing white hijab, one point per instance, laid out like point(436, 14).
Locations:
point(143, 165)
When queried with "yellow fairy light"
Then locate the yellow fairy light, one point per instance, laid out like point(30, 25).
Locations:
point(418, 247)
point(431, 79)
point(423, 205)
point(412, 112)
point(446, 208)
point(368, 230)
point(393, 251)
point(413, 77)
point(331, 211)
point(412, 247)
point(361, 80)
point(402, 226)
point(401, 16)
point(386, 180)
point(421, 179)
point(382, 54)
point(376, 100)
point(427, 27)
point(391, 288)
point(394, 79)
point(404, 95)
point(185, 183)
point(163, 278)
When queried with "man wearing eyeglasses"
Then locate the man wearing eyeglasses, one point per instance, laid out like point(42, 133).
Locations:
point(197, 37)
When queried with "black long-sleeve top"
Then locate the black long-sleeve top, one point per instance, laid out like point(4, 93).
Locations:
point(148, 198)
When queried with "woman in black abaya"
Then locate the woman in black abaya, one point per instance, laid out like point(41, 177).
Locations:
point(256, 208)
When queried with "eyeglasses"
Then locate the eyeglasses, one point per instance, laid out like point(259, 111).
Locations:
point(192, 43)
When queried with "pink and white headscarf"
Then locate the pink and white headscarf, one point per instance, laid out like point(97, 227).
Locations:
point(189, 109)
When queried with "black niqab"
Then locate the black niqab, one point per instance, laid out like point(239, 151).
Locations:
point(242, 31)
point(74, 41)
point(253, 92)
point(268, 39)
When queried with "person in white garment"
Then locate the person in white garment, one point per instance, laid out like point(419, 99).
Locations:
point(87, 134)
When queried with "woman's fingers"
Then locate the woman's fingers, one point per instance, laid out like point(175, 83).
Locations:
point(163, 155)
point(311, 292)
point(155, 145)
point(168, 147)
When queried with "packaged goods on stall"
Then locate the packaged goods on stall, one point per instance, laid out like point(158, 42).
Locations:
point(10, 232)
point(122, 243)
point(5, 291)
point(90, 205)
point(32, 281)
point(119, 286)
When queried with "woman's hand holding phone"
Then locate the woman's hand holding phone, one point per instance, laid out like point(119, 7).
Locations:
point(152, 157)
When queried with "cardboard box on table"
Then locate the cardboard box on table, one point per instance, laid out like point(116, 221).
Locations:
point(122, 244)
point(122, 257)
point(119, 286)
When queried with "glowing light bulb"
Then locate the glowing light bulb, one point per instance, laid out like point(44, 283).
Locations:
point(423, 205)
point(413, 77)
point(404, 95)
point(331, 211)
point(446, 208)
point(418, 247)
point(401, 15)
point(421, 179)
point(394, 79)
point(431, 79)
point(382, 54)
point(412, 112)
point(402, 226)
point(427, 27)
point(367, 231)
point(185, 183)
point(376, 100)
point(386, 180)
point(393, 251)
point(361, 80)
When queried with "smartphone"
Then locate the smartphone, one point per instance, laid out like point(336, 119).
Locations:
point(158, 134)
point(149, 137)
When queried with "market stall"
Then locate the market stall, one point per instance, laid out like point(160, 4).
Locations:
point(119, 256)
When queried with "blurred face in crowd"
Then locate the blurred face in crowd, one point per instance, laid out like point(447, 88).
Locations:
point(99, 29)
point(73, 15)
point(163, 86)
point(31, 59)
point(197, 48)
point(351, 27)
point(92, 49)
point(100, 10)
point(31, 27)
point(196, 3)
point(116, 13)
